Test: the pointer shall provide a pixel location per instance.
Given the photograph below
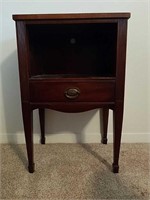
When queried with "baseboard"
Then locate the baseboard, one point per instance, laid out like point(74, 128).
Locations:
point(18, 138)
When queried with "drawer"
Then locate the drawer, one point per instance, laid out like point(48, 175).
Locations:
point(96, 91)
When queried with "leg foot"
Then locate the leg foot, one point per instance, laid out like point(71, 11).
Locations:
point(31, 168)
point(115, 168)
point(104, 141)
point(42, 140)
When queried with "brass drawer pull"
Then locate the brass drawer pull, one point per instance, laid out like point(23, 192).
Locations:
point(72, 93)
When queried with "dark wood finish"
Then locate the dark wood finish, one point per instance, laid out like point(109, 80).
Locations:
point(42, 124)
point(120, 80)
point(28, 129)
point(72, 16)
point(104, 113)
point(46, 91)
point(72, 63)
point(72, 107)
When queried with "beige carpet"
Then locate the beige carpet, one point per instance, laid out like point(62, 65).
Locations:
point(75, 171)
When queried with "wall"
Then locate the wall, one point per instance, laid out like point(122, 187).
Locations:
point(81, 127)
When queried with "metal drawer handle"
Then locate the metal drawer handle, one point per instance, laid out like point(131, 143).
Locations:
point(72, 93)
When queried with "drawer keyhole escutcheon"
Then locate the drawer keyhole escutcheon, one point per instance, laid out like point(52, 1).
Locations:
point(72, 93)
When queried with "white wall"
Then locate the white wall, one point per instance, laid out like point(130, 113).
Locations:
point(81, 127)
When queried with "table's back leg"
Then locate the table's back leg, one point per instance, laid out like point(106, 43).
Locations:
point(42, 124)
point(28, 129)
point(117, 125)
point(104, 113)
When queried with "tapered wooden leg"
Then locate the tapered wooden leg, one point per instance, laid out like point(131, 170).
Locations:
point(117, 123)
point(42, 124)
point(28, 129)
point(104, 112)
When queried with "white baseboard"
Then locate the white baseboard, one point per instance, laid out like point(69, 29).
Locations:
point(18, 138)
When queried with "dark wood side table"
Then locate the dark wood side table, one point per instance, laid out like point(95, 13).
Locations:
point(72, 63)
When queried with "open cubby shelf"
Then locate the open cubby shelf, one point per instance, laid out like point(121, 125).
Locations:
point(78, 49)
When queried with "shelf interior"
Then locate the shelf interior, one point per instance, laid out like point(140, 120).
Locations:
point(72, 49)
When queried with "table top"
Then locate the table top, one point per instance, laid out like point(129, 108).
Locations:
point(17, 17)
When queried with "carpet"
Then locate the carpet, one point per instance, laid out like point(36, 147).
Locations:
point(75, 171)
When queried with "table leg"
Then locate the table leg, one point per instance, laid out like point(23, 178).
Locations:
point(117, 124)
point(42, 124)
point(27, 113)
point(104, 113)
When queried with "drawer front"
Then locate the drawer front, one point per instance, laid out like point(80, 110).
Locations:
point(44, 91)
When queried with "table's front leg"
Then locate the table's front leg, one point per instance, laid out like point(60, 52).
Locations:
point(117, 125)
point(27, 113)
